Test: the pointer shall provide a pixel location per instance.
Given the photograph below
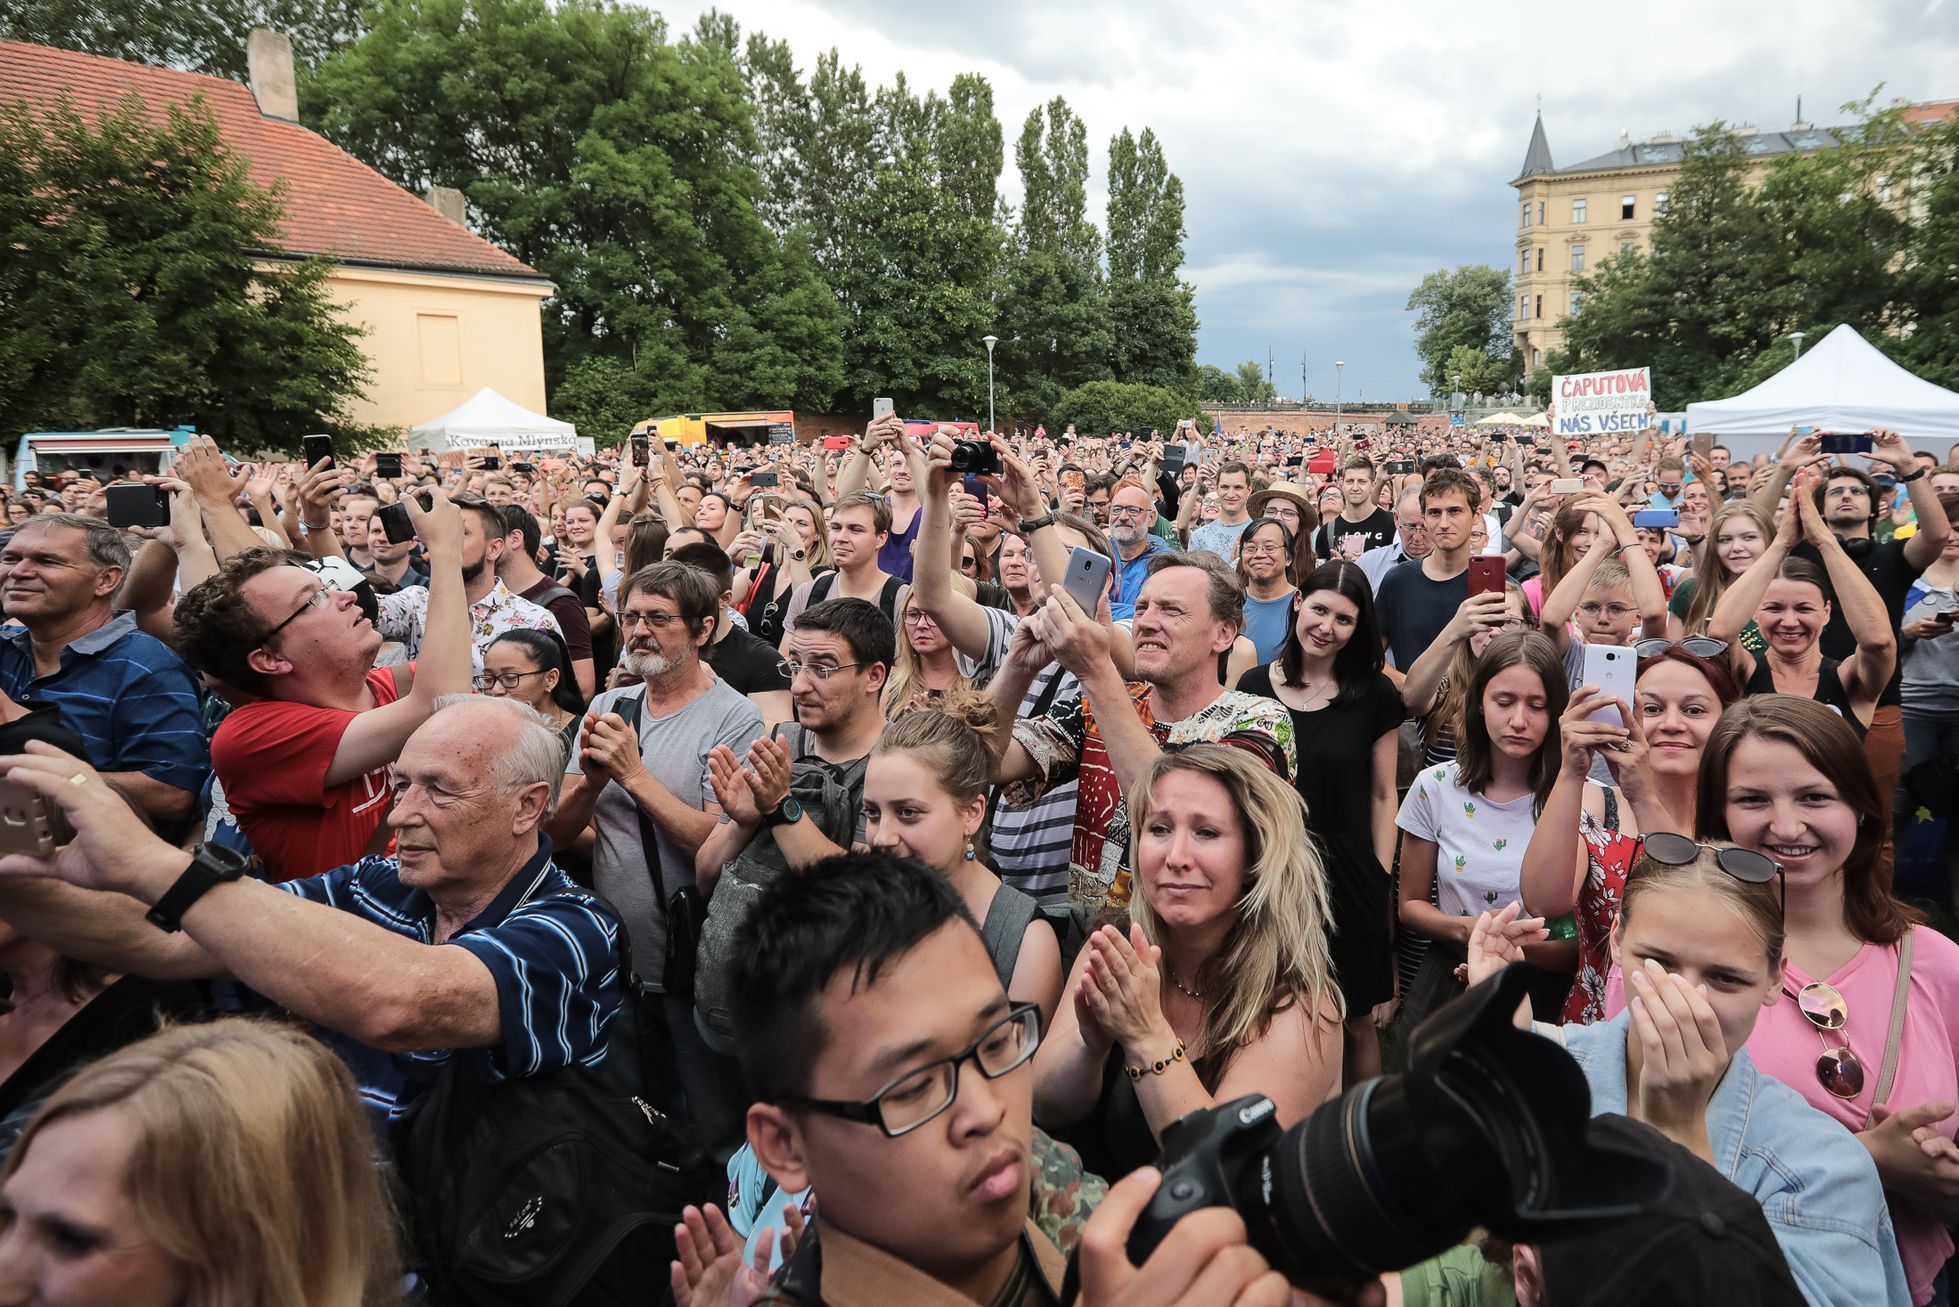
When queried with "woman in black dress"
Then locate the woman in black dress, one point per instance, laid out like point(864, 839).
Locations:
point(1345, 715)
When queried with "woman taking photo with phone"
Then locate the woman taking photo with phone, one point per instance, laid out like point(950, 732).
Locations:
point(1790, 599)
point(1217, 985)
point(1439, 680)
point(1700, 936)
point(1346, 715)
point(1866, 986)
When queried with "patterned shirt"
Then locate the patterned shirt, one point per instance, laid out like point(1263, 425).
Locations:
point(1067, 745)
point(405, 614)
point(552, 949)
point(128, 696)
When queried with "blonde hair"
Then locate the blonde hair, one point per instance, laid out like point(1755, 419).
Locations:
point(253, 1164)
point(1711, 579)
point(1760, 905)
point(1277, 954)
point(908, 669)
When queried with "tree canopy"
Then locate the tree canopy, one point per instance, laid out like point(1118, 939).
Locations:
point(1463, 328)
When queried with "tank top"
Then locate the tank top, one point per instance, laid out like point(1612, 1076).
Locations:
point(1829, 690)
point(1005, 929)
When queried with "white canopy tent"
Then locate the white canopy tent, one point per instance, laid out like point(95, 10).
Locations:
point(488, 419)
point(1844, 384)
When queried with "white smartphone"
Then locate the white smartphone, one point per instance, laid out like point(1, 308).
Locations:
point(880, 408)
point(1614, 671)
point(1088, 574)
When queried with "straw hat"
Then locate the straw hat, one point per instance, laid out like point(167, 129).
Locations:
point(1298, 494)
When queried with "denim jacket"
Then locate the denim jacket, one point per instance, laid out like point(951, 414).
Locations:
point(1816, 1183)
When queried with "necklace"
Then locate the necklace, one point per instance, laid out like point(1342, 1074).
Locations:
point(1187, 993)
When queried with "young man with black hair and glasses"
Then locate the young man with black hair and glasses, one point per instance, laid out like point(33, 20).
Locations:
point(892, 1077)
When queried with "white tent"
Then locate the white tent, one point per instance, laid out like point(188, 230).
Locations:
point(1503, 419)
point(1844, 384)
point(487, 419)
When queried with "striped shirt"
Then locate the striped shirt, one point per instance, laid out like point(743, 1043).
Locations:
point(553, 950)
point(129, 697)
point(1030, 843)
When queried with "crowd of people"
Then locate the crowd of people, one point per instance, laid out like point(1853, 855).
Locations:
point(911, 826)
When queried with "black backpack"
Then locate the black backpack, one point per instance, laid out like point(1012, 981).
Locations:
point(551, 1190)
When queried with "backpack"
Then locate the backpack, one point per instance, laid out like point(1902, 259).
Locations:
point(549, 1190)
point(887, 597)
point(830, 795)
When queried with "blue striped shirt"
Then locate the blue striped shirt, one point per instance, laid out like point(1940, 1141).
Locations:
point(552, 948)
point(127, 694)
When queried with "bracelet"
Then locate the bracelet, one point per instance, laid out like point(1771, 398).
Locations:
point(1623, 548)
point(1912, 476)
point(1029, 525)
point(1159, 1066)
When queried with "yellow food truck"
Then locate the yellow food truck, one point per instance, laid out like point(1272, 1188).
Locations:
point(752, 428)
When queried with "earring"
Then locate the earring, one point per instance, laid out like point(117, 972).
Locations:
point(971, 853)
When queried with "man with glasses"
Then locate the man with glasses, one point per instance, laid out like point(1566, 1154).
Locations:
point(639, 783)
point(303, 757)
point(1132, 512)
point(893, 1081)
point(1411, 542)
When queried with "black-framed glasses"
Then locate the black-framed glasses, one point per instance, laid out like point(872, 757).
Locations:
point(1746, 865)
point(821, 671)
point(918, 1096)
point(1701, 646)
point(508, 680)
point(321, 596)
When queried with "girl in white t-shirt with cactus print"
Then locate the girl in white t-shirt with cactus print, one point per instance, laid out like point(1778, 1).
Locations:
point(1465, 824)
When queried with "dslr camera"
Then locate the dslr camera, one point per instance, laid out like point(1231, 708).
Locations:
point(1487, 1127)
point(975, 458)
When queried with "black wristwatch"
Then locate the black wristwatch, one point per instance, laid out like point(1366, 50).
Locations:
point(211, 864)
point(786, 813)
point(1029, 525)
point(1912, 475)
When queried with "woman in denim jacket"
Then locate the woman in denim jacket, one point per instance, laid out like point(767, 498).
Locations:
point(1699, 939)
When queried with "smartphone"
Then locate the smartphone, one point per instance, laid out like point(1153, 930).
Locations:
point(138, 505)
point(636, 449)
point(29, 823)
point(977, 489)
point(525, 468)
point(836, 442)
point(396, 523)
point(1704, 445)
point(1497, 437)
point(491, 462)
point(387, 466)
point(1361, 443)
point(1486, 575)
point(1401, 467)
point(1075, 480)
point(1295, 460)
point(1847, 442)
point(1088, 575)
point(1805, 431)
point(1568, 486)
point(315, 448)
point(880, 408)
point(1613, 670)
point(1667, 517)
point(1172, 460)
point(764, 480)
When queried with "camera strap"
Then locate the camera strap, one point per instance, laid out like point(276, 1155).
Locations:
point(1900, 991)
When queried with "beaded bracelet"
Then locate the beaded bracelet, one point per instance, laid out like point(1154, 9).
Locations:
point(1159, 1066)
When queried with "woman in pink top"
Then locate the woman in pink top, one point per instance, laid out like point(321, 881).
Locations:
point(1787, 777)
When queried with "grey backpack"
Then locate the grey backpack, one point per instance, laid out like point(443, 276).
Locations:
point(831, 794)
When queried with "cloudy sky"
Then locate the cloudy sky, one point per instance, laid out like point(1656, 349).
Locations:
point(1334, 153)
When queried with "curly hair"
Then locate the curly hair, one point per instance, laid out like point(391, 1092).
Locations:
point(217, 631)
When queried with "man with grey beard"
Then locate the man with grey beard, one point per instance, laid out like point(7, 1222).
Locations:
point(1132, 512)
point(638, 782)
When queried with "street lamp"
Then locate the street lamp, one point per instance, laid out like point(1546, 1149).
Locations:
point(991, 341)
point(1797, 337)
point(1339, 374)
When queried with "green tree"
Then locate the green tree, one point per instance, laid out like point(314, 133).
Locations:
point(200, 36)
point(1055, 311)
point(1216, 386)
point(1930, 265)
point(143, 286)
point(1468, 306)
point(1254, 387)
point(1152, 310)
point(1099, 407)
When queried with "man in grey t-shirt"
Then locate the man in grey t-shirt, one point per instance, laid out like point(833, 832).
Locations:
point(657, 773)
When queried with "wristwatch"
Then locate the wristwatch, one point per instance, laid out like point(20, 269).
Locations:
point(1913, 475)
point(786, 813)
point(1029, 525)
point(211, 864)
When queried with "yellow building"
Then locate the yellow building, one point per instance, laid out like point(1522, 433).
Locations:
point(446, 312)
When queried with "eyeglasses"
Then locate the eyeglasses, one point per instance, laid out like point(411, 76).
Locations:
point(319, 598)
point(1617, 612)
point(1124, 511)
point(1746, 865)
point(821, 671)
point(508, 680)
point(918, 1096)
point(658, 621)
point(1838, 1069)
point(1701, 646)
point(1843, 492)
point(1670, 490)
point(1264, 550)
point(916, 617)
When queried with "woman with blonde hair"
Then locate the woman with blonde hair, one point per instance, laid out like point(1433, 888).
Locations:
point(801, 551)
point(928, 665)
point(212, 1165)
point(1736, 536)
point(1223, 984)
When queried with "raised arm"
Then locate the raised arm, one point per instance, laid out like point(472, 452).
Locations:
point(961, 618)
point(1867, 671)
point(202, 467)
point(1423, 683)
point(1739, 602)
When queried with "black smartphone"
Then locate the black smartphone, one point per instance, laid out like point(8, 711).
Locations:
point(387, 466)
point(316, 448)
point(1497, 437)
point(492, 462)
point(1295, 460)
point(977, 489)
point(394, 519)
point(764, 480)
point(1847, 442)
point(636, 449)
point(138, 506)
point(525, 468)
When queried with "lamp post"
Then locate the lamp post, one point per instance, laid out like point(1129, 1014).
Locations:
point(1797, 337)
point(1339, 374)
point(990, 341)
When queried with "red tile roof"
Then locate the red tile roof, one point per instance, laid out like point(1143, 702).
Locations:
point(336, 206)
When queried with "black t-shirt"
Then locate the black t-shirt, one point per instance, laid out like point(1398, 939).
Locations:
point(747, 664)
point(1375, 530)
point(1884, 562)
point(1413, 609)
point(569, 609)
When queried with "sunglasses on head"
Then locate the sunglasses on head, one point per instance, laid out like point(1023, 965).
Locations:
point(1700, 646)
point(1745, 865)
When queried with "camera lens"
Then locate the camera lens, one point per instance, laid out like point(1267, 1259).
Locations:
point(975, 456)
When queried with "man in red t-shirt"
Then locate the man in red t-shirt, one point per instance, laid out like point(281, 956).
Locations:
point(303, 759)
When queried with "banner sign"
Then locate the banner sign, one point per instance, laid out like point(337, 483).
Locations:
point(1600, 403)
point(1459, 419)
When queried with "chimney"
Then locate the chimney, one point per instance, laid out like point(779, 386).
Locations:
point(1625, 139)
point(268, 61)
point(447, 201)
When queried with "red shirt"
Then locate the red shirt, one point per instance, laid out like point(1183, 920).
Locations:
point(272, 759)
